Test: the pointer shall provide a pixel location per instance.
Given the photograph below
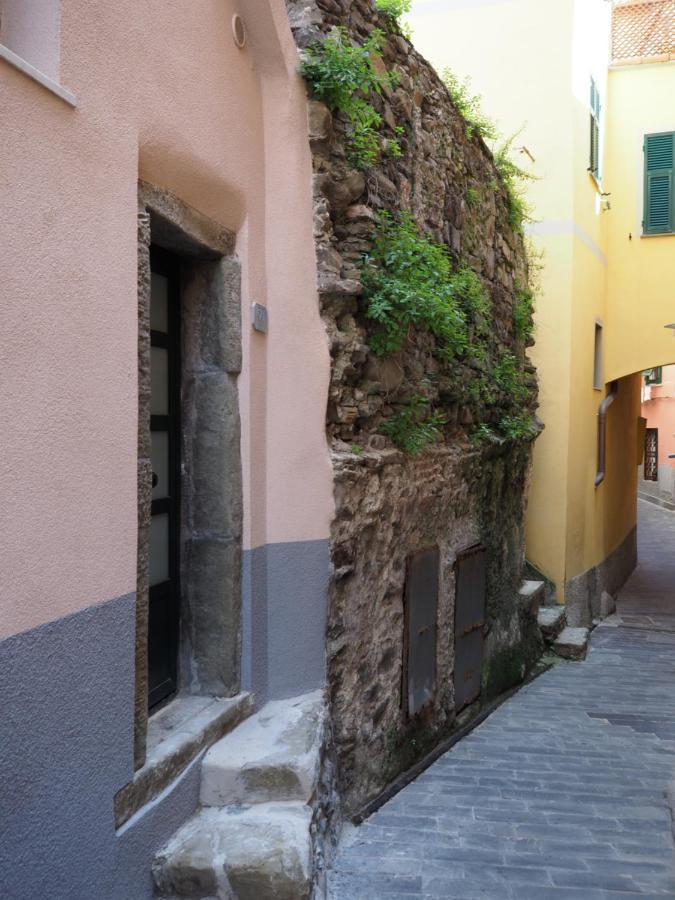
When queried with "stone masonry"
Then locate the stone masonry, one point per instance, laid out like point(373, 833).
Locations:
point(454, 495)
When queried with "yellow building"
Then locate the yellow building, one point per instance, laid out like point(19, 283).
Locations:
point(587, 88)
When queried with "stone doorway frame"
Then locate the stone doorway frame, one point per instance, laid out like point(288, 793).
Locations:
point(211, 473)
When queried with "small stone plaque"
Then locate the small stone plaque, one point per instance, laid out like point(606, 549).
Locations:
point(259, 317)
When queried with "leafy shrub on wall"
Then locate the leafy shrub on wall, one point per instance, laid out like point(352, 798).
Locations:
point(410, 284)
point(343, 74)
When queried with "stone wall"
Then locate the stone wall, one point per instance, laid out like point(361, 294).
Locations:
point(457, 493)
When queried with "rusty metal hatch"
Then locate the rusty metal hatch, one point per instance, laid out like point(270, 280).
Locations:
point(421, 607)
point(470, 584)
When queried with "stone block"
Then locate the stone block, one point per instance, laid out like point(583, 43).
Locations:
point(572, 643)
point(272, 756)
point(175, 736)
point(250, 853)
point(531, 596)
point(212, 612)
point(212, 486)
point(319, 121)
point(551, 621)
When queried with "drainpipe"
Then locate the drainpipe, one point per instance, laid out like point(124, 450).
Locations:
point(602, 430)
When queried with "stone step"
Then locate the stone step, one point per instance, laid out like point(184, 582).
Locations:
point(551, 621)
point(531, 595)
point(273, 756)
point(262, 852)
point(572, 643)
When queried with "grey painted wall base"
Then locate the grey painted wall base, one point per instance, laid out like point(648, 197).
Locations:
point(582, 593)
point(66, 729)
point(66, 745)
point(284, 604)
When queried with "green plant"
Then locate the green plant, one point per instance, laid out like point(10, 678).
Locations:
point(394, 9)
point(411, 429)
point(408, 281)
point(509, 378)
point(484, 434)
point(513, 178)
point(521, 426)
point(472, 196)
point(343, 74)
point(392, 148)
point(523, 306)
point(357, 449)
point(469, 105)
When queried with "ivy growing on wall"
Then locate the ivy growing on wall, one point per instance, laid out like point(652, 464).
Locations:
point(523, 307)
point(343, 75)
point(394, 10)
point(408, 281)
point(513, 178)
point(415, 426)
point(410, 284)
point(469, 106)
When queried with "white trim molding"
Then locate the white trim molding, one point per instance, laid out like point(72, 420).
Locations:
point(19, 63)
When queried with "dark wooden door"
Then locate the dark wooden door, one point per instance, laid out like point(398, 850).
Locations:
point(470, 586)
point(164, 598)
point(421, 611)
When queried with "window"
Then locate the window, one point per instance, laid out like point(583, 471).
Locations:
point(30, 42)
point(651, 465)
point(653, 376)
point(659, 212)
point(30, 29)
point(594, 167)
point(597, 358)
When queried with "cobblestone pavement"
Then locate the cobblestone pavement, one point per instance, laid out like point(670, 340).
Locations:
point(560, 793)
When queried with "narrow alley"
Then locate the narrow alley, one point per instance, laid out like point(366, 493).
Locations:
point(562, 792)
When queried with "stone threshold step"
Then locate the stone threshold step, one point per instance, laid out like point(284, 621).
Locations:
point(551, 621)
point(572, 643)
point(261, 852)
point(531, 595)
point(274, 755)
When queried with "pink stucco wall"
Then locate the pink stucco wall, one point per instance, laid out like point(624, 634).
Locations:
point(658, 408)
point(164, 94)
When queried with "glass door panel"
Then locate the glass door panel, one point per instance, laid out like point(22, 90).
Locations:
point(164, 595)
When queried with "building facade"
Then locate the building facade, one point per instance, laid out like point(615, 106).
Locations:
point(233, 605)
point(146, 206)
point(584, 85)
point(655, 473)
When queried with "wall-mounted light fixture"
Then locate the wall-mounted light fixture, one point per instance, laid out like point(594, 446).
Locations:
point(239, 31)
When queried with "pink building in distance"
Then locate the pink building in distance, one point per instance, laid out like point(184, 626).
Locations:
point(655, 476)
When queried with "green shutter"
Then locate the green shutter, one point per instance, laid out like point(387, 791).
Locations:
point(594, 163)
point(595, 146)
point(659, 215)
